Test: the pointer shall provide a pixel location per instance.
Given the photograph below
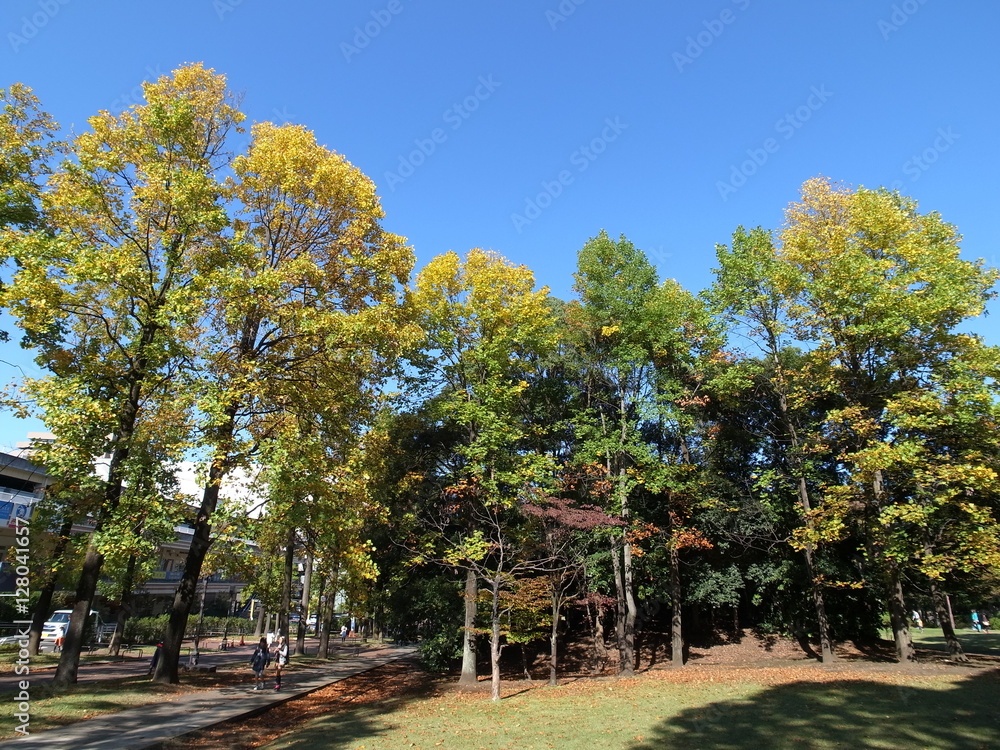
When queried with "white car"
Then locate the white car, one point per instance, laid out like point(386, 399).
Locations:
point(55, 626)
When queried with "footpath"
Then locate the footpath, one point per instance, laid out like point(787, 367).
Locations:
point(149, 725)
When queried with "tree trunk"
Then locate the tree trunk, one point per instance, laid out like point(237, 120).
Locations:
point(187, 588)
point(629, 643)
point(124, 609)
point(69, 661)
point(827, 654)
point(286, 585)
point(620, 605)
point(955, 650)
point(676, 619)
point(554, 642)
point(259, 629)
point(825, 640)
point(327, 611)
point(897, 616)
point(469, 676)
point(47, 590)
point(300, 640)
point(596, 622)
point(819, 604)
point(495, 643)
point(600, 648)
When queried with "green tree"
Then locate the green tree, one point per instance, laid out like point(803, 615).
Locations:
point(303, 316)
point(26, 146)
point(877, 291)
point(108, 295)
point(748, 294)
point(615, 282)
point(483, 324)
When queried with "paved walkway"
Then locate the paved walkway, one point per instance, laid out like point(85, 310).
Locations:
point(146, 726)
point(92, 671)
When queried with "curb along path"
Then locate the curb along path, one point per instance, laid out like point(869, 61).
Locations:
point(149, 725)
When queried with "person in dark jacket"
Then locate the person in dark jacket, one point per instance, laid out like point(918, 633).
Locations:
point(259, 660)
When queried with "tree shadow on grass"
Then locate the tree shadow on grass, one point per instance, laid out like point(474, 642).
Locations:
point(345, 729)
point(843, 714)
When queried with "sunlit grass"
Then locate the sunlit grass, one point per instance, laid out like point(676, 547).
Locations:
point(50, 709)
point(973, 642)
point(810, 708)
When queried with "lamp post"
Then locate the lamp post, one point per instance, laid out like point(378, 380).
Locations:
point(193, 659)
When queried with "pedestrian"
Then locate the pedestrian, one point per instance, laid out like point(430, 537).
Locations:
point(259, 660)
point(917, 620)
point(986, 623)
point(280, 660)
point(975, 620)
point(343, 633)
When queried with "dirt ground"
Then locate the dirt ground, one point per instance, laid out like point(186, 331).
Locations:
point(772, 661)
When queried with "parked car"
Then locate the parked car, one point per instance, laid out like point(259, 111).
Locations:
point(55, 627)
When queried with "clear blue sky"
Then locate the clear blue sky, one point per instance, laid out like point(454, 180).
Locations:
point(643, 109)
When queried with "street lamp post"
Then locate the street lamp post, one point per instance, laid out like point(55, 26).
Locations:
point(193, 660)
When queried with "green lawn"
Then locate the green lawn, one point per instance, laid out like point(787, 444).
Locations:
point(973, 642)
point(806, 711)
point(50, 710)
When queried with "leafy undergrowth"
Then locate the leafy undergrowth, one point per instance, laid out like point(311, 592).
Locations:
point(804, 705)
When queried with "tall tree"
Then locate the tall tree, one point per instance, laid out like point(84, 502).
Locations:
point(878, 291)
point(616, 282)
point(302, 318)
point(483, 324)
point(109, 294)
point(748, 293)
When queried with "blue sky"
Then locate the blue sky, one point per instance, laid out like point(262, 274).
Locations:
point(527, 127)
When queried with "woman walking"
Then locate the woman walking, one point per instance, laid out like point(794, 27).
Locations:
point(280, 660)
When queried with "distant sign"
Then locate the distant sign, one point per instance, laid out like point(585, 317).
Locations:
point(13, 511)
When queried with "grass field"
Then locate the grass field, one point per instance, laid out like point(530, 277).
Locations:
point(50, 710)
point(787, 704)
point(972, 641)
point(853, 704)
point(806, 708)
